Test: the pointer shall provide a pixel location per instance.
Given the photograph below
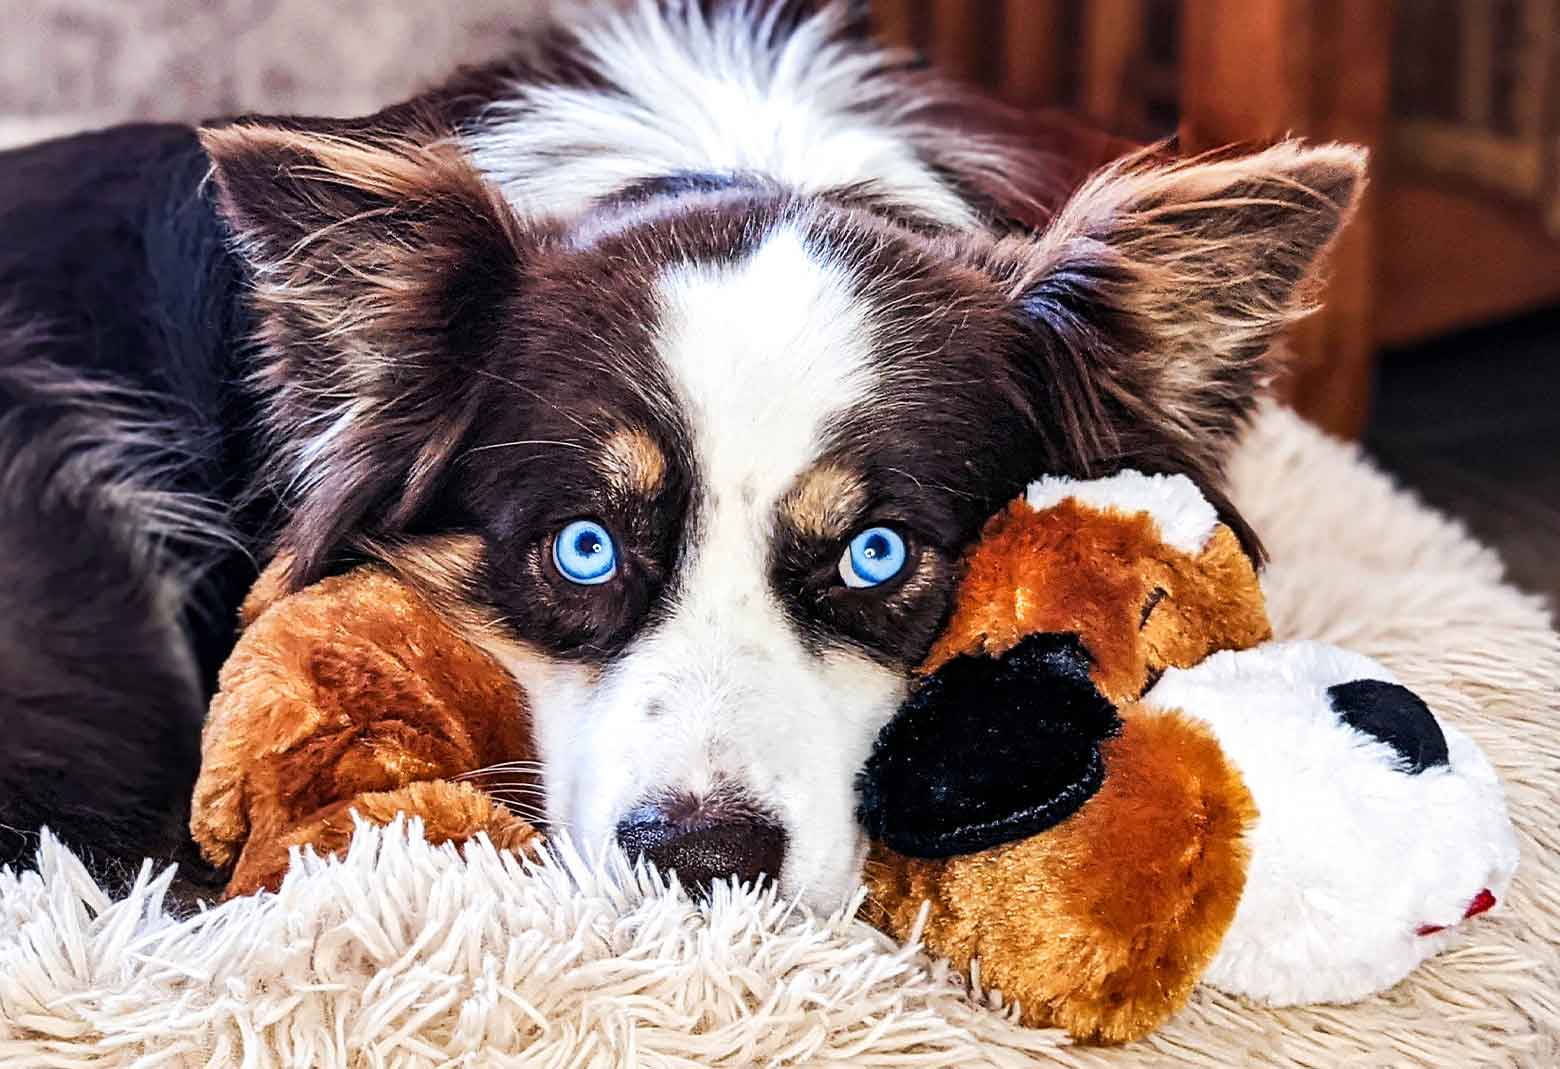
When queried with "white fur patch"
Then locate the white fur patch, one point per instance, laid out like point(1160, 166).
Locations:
point(718, 94)
point(1186, 520)
point(763, 354)
point(1349, 856)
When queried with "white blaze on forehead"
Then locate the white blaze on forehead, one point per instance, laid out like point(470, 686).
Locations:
point(1185, 518)
point(763, 353)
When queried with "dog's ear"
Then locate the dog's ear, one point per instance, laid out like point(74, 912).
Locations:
point(381, 274)
point(1162, 285)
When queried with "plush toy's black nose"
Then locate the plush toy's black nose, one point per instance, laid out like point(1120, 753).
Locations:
point(703, 844)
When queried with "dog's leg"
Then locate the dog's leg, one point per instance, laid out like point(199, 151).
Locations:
point(100, 700)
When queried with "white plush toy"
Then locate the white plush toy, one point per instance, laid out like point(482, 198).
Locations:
point(1378, 827)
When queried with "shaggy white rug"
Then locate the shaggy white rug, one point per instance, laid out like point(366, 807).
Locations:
point(405, 955)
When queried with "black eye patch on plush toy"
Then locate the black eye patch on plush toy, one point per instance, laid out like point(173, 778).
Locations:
point(1396, 716)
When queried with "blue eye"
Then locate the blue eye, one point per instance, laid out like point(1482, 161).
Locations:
point(874, 556)
point(584, 553)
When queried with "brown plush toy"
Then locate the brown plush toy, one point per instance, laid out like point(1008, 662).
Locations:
point(1106, 809)
point(1093, 806)
point(1104, 922)
point(354, 694)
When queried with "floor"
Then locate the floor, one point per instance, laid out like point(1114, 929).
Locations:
point(1472, 422)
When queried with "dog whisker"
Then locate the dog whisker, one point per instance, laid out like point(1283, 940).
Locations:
point(526, 813)
point(504, 768)
point(529, 791)
point(590, 432)
point(523, 441)
point(516, 789)
point(519, 774)
point(493, 786)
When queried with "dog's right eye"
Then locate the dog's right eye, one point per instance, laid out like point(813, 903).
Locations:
point(873, 557)
point(584, 553)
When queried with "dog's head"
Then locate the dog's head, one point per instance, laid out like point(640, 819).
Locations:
point(699, 463)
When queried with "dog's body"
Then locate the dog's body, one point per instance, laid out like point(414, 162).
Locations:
point(679, 357)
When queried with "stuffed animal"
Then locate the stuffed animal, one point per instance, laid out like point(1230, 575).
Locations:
point(354, 695)
point(1097, 804)
point(1109, 786)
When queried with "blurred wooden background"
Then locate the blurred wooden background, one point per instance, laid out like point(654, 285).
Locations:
point(1459, 101)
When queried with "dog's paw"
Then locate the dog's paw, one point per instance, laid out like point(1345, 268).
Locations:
point(988, 750)
point(1379, 827)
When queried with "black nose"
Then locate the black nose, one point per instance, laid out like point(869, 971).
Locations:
point(703, 843)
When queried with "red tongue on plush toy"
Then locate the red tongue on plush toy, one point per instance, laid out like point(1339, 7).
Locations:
point(1482, 902)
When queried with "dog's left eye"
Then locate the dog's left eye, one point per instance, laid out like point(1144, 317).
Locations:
point(584, 553)
point(873, 557)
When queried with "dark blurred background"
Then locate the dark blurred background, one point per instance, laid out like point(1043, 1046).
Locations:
point(1439, 346)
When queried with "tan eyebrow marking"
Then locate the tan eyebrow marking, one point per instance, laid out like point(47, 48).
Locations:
point(826, 501)
point(632, 462)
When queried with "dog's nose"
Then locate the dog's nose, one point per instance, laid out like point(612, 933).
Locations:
point(702, 844)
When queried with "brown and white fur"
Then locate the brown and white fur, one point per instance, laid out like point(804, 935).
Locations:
point(736, 284)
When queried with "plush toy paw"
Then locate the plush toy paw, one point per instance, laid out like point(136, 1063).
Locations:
point(354, 694)
point(450, 813)
point(988, 750)
point(1378, 827)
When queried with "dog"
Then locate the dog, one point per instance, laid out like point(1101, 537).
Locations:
point(678, 354)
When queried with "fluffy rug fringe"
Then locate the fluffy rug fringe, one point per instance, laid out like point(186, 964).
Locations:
point(406, 954)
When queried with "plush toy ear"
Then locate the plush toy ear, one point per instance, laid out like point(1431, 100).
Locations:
point(381, 272)
point(989, 750)
point(1164, 284)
